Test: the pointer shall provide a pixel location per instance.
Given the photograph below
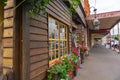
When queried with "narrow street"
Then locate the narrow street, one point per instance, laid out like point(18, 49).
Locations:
point(102, 64)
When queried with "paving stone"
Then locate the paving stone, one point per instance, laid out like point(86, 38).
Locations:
point(102, 64)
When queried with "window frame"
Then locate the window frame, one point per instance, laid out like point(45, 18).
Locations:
point(59, 40)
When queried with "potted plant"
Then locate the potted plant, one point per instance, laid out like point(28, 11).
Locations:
point(59, 70)
point(67, 61)
point(75, 63)
point(64, 68)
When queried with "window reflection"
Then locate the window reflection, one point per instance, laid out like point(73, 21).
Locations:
point(62, 32)
point(53, 29)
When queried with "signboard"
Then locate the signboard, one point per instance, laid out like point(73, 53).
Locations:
point(104, 15)
point(100, 31)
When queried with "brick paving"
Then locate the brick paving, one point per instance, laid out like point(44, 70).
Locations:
point(102, 64)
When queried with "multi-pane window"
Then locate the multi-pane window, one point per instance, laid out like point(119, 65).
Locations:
point(58, 45)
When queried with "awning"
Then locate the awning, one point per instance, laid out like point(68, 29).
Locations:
point(107, 20)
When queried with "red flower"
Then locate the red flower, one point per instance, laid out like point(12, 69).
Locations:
point(75, 50)
point(84, 48)
point(57, 61)
point(71, 74)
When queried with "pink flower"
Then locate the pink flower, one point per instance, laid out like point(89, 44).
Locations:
point(79, 59)
point(80, 45)
point(62, 62)
point(77, 67)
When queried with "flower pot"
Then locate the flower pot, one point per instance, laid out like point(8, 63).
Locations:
point(66, 78)
point(55, 77)
point(62, 79)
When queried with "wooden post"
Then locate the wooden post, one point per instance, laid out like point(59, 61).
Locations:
point(113, 31)
point(1, 33)
point(17, 61)
point(119, 37)
point(118, 30)
point(25, 43)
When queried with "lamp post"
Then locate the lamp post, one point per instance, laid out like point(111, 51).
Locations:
point(96, 22)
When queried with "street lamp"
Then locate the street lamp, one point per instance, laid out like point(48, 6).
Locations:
point(96, 22)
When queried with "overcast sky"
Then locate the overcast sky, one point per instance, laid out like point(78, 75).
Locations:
point(105, 5)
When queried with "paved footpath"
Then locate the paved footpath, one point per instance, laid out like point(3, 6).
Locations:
point(102, 64)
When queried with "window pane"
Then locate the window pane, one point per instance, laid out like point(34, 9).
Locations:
point(64, 44)
point(57, 44)
point(62, 32)
point(51, 55)
point(61, 44)
point(63, 48)
point(53, 29)
point(65, 32)
point(65, 51)
point(56, 53)
point(61, 52)
point(51, 45)
point(53, 49)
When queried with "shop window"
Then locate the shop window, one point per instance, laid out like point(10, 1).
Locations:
point(58, 44)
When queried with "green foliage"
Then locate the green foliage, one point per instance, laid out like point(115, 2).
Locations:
point(39, 6)
point(58, 69)
point(74, 4)
point(64, 66)
point(4, 2)
point(67, 62)
point(74, 59)
point(116, 38)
